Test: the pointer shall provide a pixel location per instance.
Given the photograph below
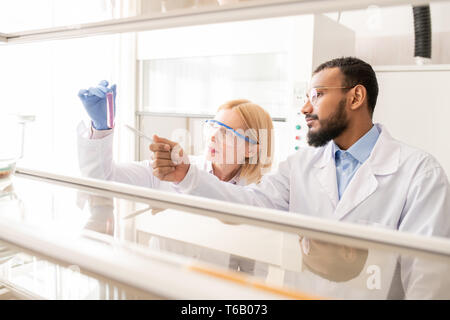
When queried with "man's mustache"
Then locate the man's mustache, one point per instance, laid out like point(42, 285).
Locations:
point(311, 117)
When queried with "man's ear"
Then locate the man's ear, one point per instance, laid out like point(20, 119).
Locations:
point(358, 97)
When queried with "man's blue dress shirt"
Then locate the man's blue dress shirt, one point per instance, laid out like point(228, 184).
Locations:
point(348, 161)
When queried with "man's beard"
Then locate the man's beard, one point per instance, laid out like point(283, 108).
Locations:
point(329, 128)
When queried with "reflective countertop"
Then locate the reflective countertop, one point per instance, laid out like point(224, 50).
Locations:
point(64, 240)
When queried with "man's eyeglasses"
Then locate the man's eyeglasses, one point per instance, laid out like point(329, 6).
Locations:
point(315, 93)
point(214, 126)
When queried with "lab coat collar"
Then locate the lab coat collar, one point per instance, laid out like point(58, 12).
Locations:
point(362, 148)
point(385, 157)
point(326, 172)
point(383, 160)
point(325, 157)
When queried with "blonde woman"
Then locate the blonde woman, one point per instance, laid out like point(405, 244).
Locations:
point(240, 128)
point(239, 151)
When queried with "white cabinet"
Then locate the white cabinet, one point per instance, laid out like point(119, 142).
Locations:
point(414, 105)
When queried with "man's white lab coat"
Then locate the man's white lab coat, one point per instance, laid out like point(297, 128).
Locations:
point(398, 187)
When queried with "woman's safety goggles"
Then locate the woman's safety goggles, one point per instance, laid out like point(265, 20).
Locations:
point(214, 127)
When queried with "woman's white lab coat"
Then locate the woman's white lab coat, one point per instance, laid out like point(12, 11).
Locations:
point(95, 158)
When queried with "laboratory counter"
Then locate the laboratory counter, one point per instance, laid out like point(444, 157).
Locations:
point(68, 237)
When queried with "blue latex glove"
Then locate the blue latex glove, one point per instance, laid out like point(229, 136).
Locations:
point(94, 101)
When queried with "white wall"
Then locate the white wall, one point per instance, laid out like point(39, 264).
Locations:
point(306, 40)
point(385, 36)
point(242, 37)
point(43, 79)
point(168, 127)
point(415, 107)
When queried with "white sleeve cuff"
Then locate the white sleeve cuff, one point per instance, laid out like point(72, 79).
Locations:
point(100, 134)
point(86, 142)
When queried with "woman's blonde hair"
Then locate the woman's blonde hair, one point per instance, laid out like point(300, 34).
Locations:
point(260, 124)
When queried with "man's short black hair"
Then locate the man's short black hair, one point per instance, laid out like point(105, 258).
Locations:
point(355, 72)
